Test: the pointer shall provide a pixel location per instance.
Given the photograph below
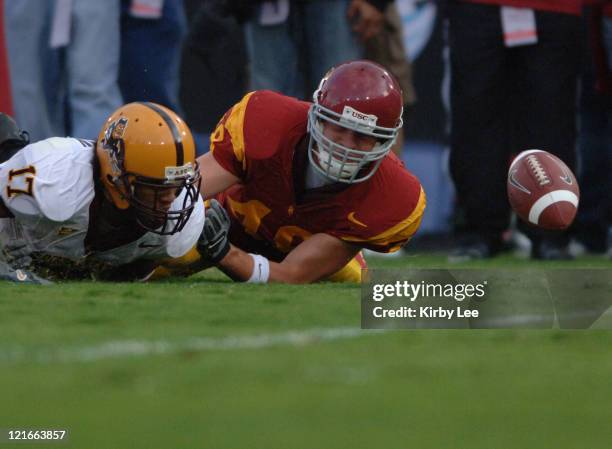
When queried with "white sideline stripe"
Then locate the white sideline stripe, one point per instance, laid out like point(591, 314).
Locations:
point(141, 348)
point(135, 348)
point(556, 196)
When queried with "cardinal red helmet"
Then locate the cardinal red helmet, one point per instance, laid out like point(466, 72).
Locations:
point(360, 96)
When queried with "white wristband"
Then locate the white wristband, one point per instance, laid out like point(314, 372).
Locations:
point(261, 269)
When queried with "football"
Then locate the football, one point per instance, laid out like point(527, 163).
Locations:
point(542, 190)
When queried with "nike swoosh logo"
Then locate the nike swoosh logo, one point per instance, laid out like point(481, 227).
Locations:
point(517, 184)
point(147, 245)
point(567, 178)
point(352, 219)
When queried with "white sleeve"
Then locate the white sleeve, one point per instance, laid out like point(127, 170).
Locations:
point(181, 242)
point(52, 178)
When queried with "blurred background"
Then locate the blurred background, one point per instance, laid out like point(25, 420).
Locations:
point(207, 363)
point(474, 93)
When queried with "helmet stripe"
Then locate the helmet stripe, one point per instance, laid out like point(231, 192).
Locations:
point(178, 140)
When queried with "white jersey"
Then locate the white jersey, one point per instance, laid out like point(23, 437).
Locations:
point(49, 185)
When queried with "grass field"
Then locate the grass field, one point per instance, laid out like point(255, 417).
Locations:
point(206, 363)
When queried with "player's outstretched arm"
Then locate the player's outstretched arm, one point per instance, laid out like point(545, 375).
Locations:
point(215, 178)
point(314, 259)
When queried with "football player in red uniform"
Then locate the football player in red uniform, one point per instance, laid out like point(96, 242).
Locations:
point(298, 189)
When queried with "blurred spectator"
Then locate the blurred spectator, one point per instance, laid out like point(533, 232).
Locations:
point(387, 48)
point(151, 36)
point(595, 138)
point(82, 90)
point(513, 87)
point(607, 33)
point(292, 44)
point(27, 26)
point(214, 73)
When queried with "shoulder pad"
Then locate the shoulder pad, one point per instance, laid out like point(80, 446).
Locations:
point(53, 177)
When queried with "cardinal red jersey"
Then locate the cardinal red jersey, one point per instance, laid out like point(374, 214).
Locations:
point(263, 140)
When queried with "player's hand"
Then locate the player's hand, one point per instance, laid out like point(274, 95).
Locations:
point(367, 20)
point(214, 242)
point(8, 273)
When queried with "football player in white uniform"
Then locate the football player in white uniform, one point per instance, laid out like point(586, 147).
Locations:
point(130, 199)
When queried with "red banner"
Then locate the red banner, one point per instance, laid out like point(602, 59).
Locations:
point(6, 105)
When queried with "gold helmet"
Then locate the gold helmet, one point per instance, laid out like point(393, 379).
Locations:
point(147, 162)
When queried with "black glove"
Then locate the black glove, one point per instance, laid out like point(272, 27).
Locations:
point(214, 242)
point(8, 273)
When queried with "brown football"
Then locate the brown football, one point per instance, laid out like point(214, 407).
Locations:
point(542, 190)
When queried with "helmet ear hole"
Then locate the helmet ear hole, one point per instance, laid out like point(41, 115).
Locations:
point(115, 182)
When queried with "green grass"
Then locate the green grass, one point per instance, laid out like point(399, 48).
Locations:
point(194, 380)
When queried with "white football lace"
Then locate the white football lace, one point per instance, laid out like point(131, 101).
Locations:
point(538, 170)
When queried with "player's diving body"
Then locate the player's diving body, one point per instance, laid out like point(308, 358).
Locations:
point(307, 186)
point(121, 204)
